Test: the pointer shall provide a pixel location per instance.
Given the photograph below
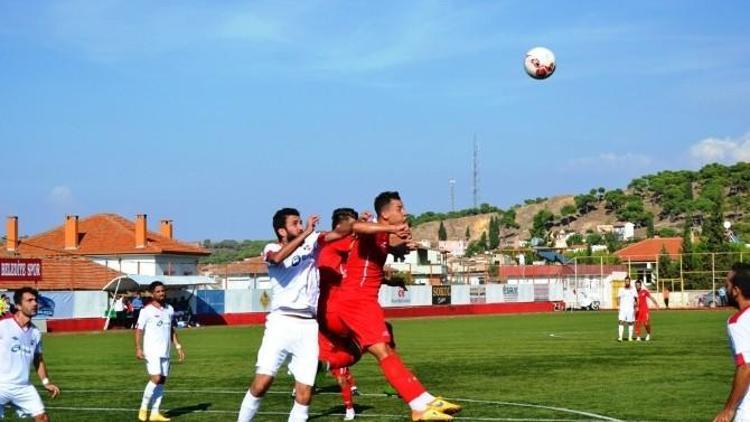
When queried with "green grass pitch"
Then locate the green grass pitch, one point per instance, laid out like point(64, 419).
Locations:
point(568, 366)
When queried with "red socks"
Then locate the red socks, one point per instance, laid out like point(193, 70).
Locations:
point(400, 378)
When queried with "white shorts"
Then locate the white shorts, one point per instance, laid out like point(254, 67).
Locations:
point(24, 398)
point(742, 414)
point(294, 337)
point(627, 315)
point(157, 366)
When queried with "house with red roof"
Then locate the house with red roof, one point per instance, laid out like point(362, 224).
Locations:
point(88, 253)
point(642, 257)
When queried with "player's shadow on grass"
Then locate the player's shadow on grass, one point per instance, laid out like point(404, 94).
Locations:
point(179, 411)
point(340, 410)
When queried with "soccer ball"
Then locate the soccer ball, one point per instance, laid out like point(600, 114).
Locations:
point(539, 63)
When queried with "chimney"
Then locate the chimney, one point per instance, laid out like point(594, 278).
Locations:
point(11, 236)
point(140, 231)
point(71, 232)
point(165, 227)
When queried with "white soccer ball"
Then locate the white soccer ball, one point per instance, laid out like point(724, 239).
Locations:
point(540, 63)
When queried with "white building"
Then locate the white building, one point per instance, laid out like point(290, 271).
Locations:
point(119, 244)
point(425, 266)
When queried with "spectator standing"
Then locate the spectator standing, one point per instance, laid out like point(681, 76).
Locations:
point(137, 304)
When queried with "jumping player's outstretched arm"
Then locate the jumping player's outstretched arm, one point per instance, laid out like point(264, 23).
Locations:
point(275, 258)
point(362, 227)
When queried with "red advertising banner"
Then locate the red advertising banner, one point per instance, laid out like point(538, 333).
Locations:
point(20, 269)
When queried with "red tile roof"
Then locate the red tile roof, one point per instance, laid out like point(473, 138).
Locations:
point(105, 234)
point(254, 265)
point(648, 250)
point(67, 273)
point(550, 271)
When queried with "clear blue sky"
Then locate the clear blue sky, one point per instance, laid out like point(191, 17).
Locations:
point(215, 114)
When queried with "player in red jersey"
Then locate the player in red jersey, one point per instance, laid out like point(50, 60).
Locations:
point(355, 312)
point(337, 352)
point(642, 314)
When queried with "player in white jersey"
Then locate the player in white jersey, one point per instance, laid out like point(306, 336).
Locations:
point(153, 336)
point(627, 298)
point(737, 406)
point(20, 346)
point(291, 328)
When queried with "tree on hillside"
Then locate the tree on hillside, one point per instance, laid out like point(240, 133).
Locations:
point(568, 209)
point(541, 223)
point(634, 211)
point(585, 203)
point(575, 239)
point(594, 239)
point(640, 185)
point(483, 241)
point(468, 233)
point(614, 200)
point(508, 219)
point(494, 234)
point(506, 222)
point(567, 212)
point(442, 233)
point(712, 233)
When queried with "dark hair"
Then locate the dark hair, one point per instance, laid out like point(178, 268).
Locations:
point(18, 295)
point(154, 285)
point(639, 281)
point(741, 278)
point(341, 214)
point(627, 277)
point(279, 219)
point(385, 198)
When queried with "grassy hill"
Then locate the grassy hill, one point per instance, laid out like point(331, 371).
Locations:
point(661, 203)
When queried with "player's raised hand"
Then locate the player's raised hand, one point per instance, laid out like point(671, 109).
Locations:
point(403, 231)
point(365, 216)
point(54, 390)
point(312, 221)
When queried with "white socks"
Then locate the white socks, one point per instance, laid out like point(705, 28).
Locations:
point(630, 332)
point(249, 407)
point(620, 329)
point(158, 394)
point(147, 394)
point(298, 413)
point(420, 403)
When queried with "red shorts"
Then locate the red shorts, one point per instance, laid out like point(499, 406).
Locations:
point(642, 316)
point(360, 319)
point(338, 352)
